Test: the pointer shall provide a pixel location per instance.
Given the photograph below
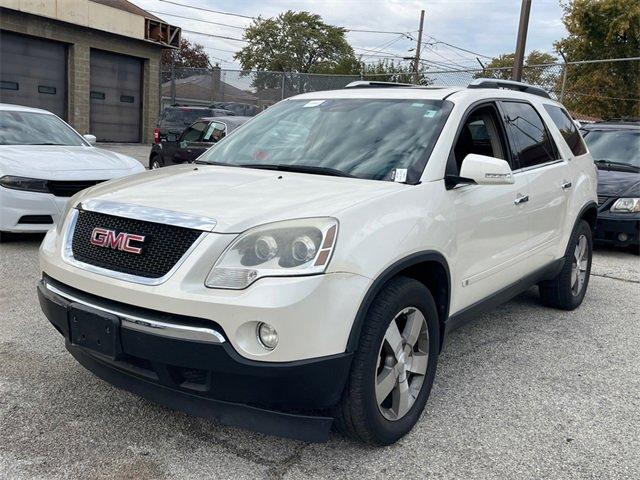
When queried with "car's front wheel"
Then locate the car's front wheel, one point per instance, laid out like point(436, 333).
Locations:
point(155, 163)
point(394, 366)
point(568, 289)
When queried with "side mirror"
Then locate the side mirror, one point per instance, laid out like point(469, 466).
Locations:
point(486, 170)
point(90, 138)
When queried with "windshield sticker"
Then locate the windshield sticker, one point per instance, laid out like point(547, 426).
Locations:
point(400, 175)
point(430, 113)
point(313, 103)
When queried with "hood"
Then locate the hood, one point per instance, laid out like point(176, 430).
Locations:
point(56, 162)
point(614, 183)
point(240, 198)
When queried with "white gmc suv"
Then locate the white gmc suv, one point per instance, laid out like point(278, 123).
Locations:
point(307, 268)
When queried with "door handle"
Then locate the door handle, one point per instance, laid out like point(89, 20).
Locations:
point(566, 185)
point(521, 199)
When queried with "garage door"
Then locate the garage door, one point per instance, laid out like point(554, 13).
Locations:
point(115, 97)
point(33, 72)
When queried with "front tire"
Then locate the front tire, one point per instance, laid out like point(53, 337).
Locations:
point(155, 163)
point(568, 289)
point(394, 366)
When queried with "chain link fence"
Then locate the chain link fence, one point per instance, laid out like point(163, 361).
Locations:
point(591, 90)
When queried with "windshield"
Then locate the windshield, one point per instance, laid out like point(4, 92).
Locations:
point(29, 128)
point(620, 146)
point(365, 138)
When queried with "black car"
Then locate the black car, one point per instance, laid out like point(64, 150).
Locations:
point(615, 147)
point(175, 118)
point(193, 141)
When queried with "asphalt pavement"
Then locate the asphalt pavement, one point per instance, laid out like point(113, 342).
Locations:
point(521, 392)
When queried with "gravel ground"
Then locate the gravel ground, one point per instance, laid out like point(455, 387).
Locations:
point(523, 392)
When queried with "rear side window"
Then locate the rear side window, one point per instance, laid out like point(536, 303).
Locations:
point(532, 143)
point(567, 128)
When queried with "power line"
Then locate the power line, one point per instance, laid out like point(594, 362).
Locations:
point(208, 9)
point(216, 36)
point(197, 19)
point(460, 48)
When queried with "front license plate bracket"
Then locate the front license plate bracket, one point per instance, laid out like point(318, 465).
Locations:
point(94, 330)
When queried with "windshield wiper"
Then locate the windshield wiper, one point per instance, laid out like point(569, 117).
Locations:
point(45, 143)
point(615, 164)
point(334, 172)
point(219, 164)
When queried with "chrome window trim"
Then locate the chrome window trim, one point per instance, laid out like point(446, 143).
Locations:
point(67, 257)
point(539, 165)
point(148, 214)
point(148, 325)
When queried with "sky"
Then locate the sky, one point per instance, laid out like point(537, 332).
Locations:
point(485, 27)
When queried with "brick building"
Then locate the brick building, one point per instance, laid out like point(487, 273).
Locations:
point(95, 63)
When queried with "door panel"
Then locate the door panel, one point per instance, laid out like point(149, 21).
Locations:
point(115, 97)
point(33, 73)
point(540, 163)
point(491, 237)
point(548, 208)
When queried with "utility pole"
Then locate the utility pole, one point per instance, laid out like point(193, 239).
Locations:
point(525, 9)
point(416, 61)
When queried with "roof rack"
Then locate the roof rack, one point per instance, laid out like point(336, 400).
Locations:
point(508, 84)
point(375, 84)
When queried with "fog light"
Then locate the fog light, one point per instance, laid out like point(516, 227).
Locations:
point(267, 335)
point(623, 237)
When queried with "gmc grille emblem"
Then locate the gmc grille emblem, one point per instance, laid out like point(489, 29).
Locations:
point(101, 237)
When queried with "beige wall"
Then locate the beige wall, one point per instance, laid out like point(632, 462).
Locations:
point(84, 13)
point(80, 41)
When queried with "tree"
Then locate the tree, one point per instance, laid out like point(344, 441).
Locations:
point(390, 71)
point(187, 56)
point(601, 29)
point(298, 43)
point(501, 67)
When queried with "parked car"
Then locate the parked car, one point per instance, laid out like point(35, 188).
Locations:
point(43, 162)
point(243, 109)
point(175, 118)
point(615, 147)
point(193, 141)
point(282, 285)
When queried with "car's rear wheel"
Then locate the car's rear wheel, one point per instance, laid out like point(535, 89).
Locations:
point(568, 289)
point(155, 163)
point(394, 366)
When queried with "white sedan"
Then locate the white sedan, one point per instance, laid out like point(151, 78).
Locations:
point(43, 162)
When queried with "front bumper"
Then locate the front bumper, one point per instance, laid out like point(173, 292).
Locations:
point(16, 204)
point(618, 229)
point(203, 378)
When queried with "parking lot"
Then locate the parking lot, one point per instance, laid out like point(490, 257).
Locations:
point(523, 392)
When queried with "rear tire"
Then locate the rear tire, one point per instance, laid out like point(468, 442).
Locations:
point(567, 290)
point(388, 386)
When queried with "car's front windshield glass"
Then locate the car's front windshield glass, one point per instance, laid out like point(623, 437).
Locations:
point(364, 138)
point(30, 128)
point(619, 146)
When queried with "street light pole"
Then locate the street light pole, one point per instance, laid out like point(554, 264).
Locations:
point(521, 41)
point(416, 61)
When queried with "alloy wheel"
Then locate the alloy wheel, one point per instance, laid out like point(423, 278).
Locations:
point(402, 363)
point(579, 265)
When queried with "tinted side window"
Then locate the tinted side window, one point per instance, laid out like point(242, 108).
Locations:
point(531, 140)
point(567, 128)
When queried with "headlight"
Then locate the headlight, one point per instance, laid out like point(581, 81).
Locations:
point(280, 249)
point(23, 183)
point(626, 205)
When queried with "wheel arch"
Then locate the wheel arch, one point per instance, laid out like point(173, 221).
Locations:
point(588, 212)
point(429, 268)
